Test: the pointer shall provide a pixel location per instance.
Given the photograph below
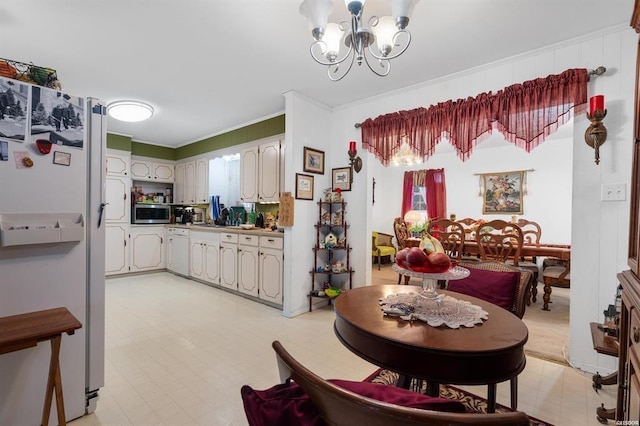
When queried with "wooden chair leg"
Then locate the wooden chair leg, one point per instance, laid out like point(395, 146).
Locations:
point(379, 262)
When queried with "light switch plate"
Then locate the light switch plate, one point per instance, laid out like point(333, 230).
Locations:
point(614, 192)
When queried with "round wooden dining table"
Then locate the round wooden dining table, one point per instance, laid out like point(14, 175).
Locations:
point(488, 353)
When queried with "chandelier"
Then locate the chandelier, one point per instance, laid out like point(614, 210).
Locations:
point(405, 156)
point(387, 35)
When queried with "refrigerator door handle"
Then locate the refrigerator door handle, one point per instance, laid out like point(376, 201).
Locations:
point(102, 206)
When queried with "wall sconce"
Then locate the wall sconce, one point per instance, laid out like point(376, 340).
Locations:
point(596, 133)
point(354, 162)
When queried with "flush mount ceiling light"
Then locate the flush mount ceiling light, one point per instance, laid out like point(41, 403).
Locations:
point(387, 34)
point(131, 111)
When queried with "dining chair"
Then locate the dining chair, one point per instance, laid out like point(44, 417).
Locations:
point(338, 405)
point(451, 235)
point(499, 240)
point(401, 231)
point(531, 234)
point(501, 284)
point(469, 225)
point(382, 245)
point(558, 275)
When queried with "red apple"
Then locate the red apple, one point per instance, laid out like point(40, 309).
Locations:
point(416, 257)
point(439, 259)
point(401, 257)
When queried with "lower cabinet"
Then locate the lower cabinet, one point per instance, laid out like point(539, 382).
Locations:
point(117, 248)
point(248, 264)
point(271, 270)
point(229, 260)
point(147, 248)
point(205, 256)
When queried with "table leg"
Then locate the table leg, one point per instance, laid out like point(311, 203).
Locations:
point(547, 297)
point(54, 381)
point(491, 397)
point(514, 393)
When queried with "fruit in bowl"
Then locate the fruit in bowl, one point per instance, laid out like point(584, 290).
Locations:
point(420, 260)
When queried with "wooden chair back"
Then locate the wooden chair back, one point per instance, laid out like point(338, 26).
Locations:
point(338, 406)
point(401, 231)
point(523, 289)
point(469, 226)
point(450, 234)
point(499, 240)
point(531, 231)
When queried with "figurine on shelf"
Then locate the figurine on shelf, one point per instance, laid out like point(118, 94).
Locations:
point(337, 218)
point(325, 217)
point(338, 267)
point(330, 241)
point(342, 242)
point(327, 195)
point(337, 196)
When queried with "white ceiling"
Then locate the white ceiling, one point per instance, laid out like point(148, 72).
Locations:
point(209, 66)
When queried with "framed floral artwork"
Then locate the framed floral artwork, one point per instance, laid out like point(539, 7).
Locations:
point(341, 179)
point(502, 193)
point(304, 187)
point(313, 161)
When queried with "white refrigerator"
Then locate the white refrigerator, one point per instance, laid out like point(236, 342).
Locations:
point(52, 247)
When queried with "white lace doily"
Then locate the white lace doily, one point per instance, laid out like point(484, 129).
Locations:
point(448, 310)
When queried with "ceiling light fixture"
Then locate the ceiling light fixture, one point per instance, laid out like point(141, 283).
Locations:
point(405, 156)
point(388, 34)
point(130, 111)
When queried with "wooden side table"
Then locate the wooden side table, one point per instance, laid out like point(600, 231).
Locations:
point(24, 331)
point(608, 345)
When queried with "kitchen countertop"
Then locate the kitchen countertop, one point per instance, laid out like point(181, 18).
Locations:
point(235, 229)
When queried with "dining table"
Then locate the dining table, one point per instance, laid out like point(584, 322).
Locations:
point(486, 354)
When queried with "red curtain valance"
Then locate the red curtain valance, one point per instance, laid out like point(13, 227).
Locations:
point(524, 113)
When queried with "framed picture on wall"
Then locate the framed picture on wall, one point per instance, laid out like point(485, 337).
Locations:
point(304, 187)
point(313, 161)
point(502, 193)
point(341, 179)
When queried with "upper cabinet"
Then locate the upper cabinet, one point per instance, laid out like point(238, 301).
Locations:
point(260, 172)
point(152, 171)
point(191, 182)
point(118, 165)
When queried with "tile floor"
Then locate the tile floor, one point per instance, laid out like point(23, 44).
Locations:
point(177, 353)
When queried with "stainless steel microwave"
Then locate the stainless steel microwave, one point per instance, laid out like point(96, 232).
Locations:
point(150, 213)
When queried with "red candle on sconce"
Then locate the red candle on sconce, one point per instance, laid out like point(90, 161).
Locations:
point(352, 146)
point(596, 102)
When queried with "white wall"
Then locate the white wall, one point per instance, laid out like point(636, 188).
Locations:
point(598, 229)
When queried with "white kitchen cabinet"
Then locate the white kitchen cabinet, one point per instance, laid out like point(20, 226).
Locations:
point(179, 183)
point(229, 260)
point(147, 248)
point(201, 184)
point(152, 171)
point(271, 269)
point(118, 191)
point(191, 185)
point(118, 164)
point(248, 264)
point(260, 172)
point(205, 256)
point(116, 248)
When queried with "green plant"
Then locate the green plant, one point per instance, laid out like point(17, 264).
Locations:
point(417, 228)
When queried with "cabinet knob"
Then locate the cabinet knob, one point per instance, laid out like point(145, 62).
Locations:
point(636, 334)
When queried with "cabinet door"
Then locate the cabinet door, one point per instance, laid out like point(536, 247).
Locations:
point(141, 170)
point(212, 263)
point(189, 182)
point(179, 183)
point(228, 265)
point(197, 261)
point(118, 165)
point(117, 197)
point(163, 172)
point(248, 270)
point(249, 175)
point(147, 249)
point(201, 184)
point(117, 249)
point(271, 279)
point(269, 172)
